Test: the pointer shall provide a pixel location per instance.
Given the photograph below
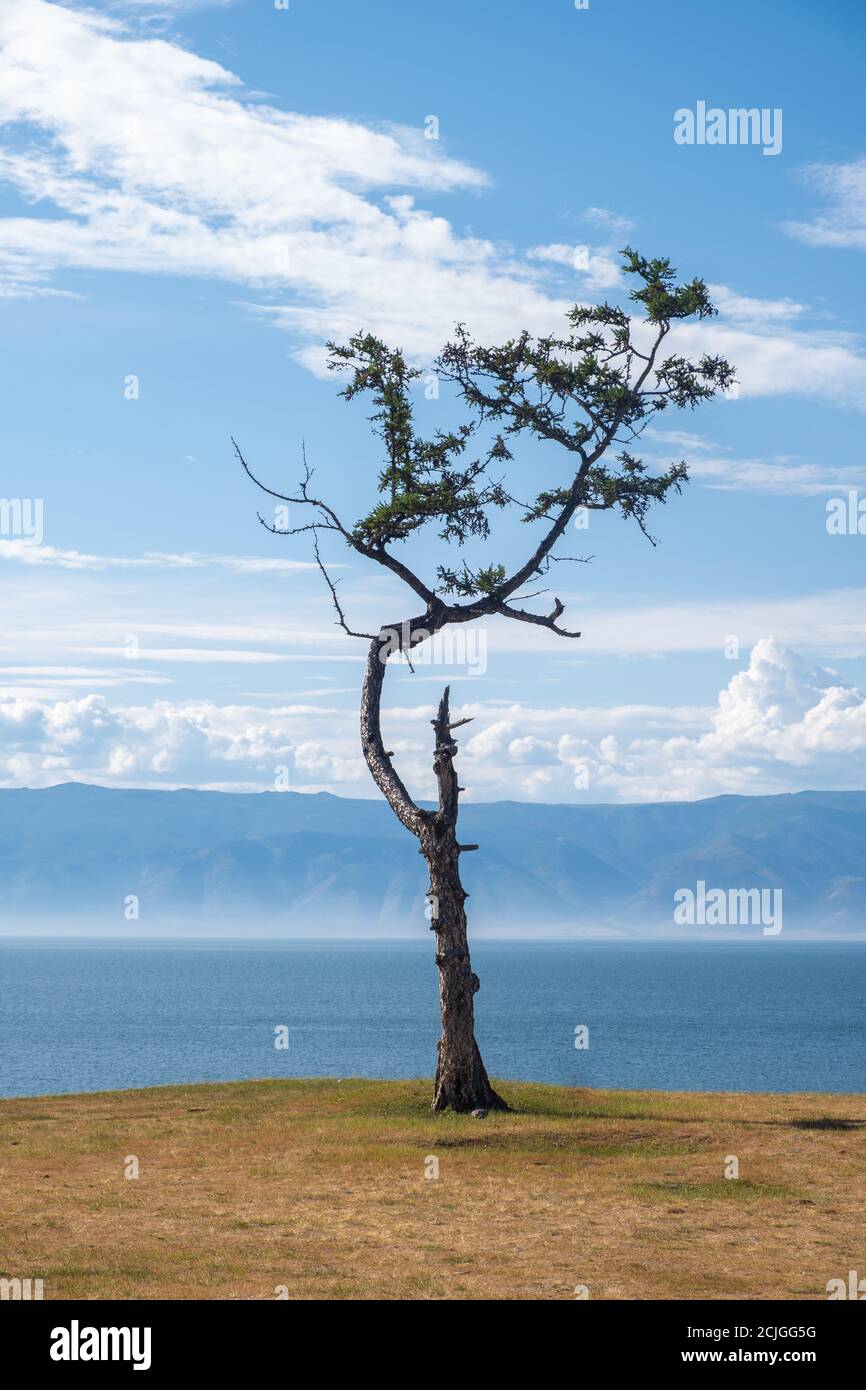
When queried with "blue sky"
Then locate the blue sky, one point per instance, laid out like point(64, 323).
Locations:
point(197, 196)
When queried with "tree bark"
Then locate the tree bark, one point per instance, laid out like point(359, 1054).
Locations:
point(461, 1079)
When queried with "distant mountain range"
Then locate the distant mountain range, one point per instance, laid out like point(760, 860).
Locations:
point(73, 857)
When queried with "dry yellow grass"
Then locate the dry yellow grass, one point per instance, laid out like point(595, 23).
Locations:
point(319, 1186)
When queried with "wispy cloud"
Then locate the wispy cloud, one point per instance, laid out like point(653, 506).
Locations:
point(745, 309)
point(157, 161)
point(782, 475)
point(204, 656)
point(603, 217)
point(27, 553)
point(844, 224)
point(189, 177)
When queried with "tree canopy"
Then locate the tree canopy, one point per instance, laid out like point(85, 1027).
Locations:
point(592, 391)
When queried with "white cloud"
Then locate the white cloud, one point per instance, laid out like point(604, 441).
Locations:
point(599, 266)
point(168, 744)
point(168, 5)
point(815, 363)
point(744, 309)
point(47, 624)
point(832, 622)
point(844, 185)
point(783, 475)
point(196, 655)
point(28, 553)
point(772, 358)
point(157, 163)
point(144, 157)
point(603, 217)
point(778, 725)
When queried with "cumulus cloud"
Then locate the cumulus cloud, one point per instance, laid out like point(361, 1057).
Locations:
point(778, 725)
point(599, 266)
point(193, 743)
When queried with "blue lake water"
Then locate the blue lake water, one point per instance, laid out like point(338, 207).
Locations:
point(762, 1016)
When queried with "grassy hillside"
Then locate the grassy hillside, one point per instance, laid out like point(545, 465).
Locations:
point(319, 1186)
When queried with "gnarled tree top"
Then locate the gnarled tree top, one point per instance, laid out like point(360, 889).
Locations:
point(592, 391)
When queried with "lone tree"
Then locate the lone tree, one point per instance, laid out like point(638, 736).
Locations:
point(592, 393)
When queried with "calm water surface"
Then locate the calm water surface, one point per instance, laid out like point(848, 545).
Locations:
point(764, 1016)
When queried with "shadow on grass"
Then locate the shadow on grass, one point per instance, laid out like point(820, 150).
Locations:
point(827, 1122)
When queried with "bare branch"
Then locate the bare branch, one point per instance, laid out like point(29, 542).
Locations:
point(547, 620)
point(341, 619)
point(303, 500)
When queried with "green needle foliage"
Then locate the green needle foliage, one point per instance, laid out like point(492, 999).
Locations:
point(589, 391)
point(592, 392)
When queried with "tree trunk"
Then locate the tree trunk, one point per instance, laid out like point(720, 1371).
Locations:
point(461, 1079)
